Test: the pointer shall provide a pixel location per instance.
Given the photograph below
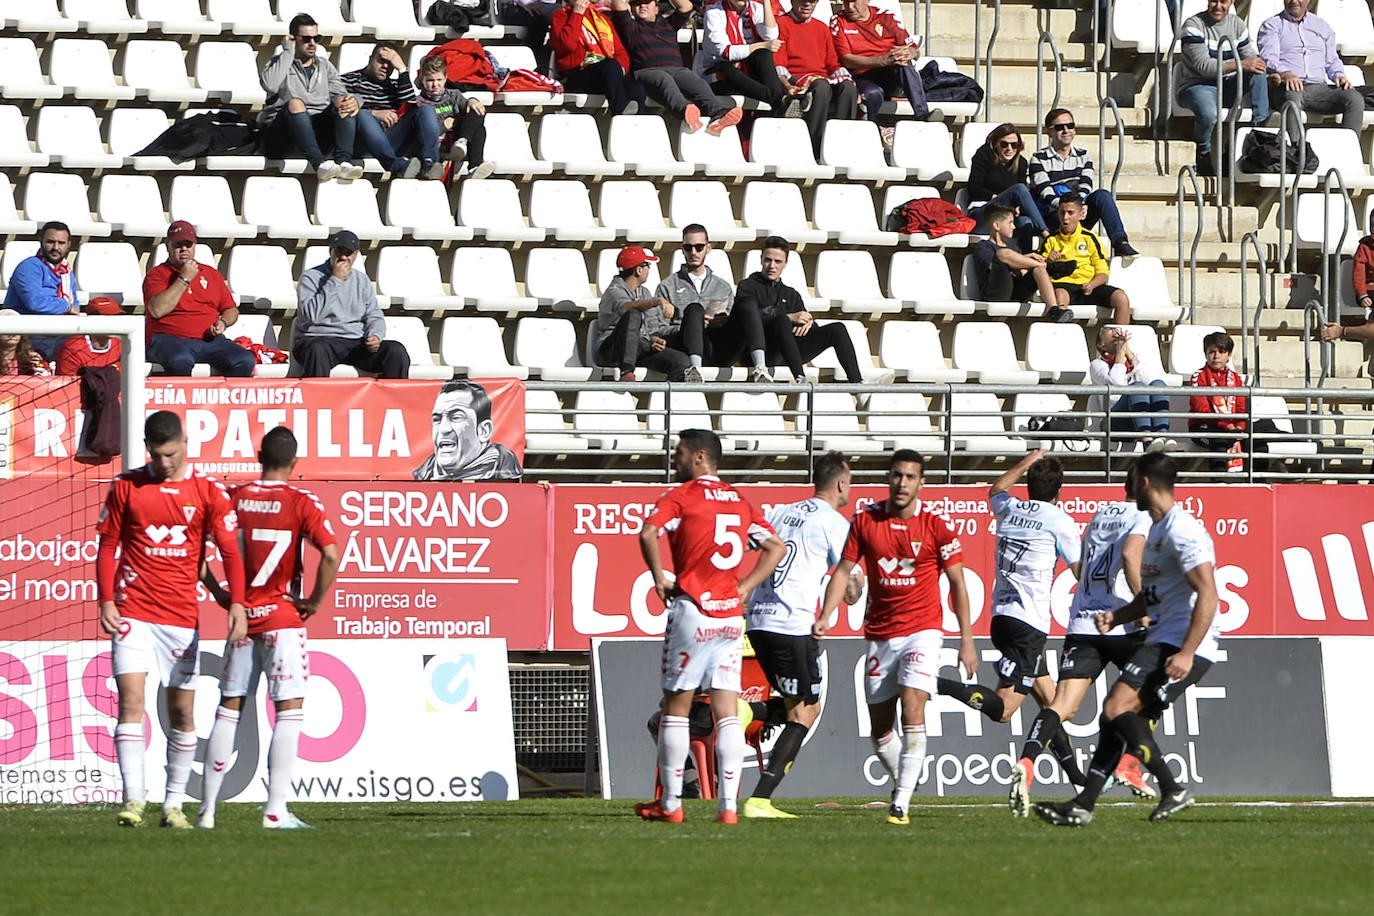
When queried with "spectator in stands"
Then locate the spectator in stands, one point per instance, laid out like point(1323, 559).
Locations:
point(461, 119)
point(338, 319)
point(1196, 74)
point(696, 291)
point(1227, 430)
point(1079, 268)
point(1362, 277)
point(462, 433)
point(632, 327)
point(188, 307)
point(44, 284)
point(82, 350)
point(656, 63)
point(808, 63)
point(876, 48)
point(1299, 50)
point(385, 129)
point(1004, 273)
point(741, 37)
point(1116, 364)
point(591, 57)
point(1062, 170)
point(307, 108)
point(998, 175)
point(789, 329)
point(17, 355)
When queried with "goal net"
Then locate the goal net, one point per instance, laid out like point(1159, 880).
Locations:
point(57, 698)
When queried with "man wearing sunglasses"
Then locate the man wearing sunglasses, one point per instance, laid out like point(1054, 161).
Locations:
point(1062, 170)
point(704, 302)
point(308, 109)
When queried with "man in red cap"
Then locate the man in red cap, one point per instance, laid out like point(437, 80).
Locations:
point(82, 350)
point(188, 306)
point(634, 328)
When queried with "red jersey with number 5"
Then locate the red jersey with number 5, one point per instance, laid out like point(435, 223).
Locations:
point(275, 521)
point(708, 523)
point(161, 527)
point(904, 558)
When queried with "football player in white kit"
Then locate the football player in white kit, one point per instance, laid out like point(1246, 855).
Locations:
point(1032, 535)
point(1179, 592)
point(782, 612)
point(1112, 546)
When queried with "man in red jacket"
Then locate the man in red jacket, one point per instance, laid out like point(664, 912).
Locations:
point(591, 57)
point(873, 44)
point(1363, 278)
point(808, 62)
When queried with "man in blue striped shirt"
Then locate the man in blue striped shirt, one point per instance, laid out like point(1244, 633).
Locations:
point(384, 130)
point(1062, 170)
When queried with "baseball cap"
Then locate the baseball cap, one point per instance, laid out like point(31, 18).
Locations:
point(633, 256)
point(181, 231)
point(102, 305)
point(344, 239)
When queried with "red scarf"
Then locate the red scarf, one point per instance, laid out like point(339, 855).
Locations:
point(1110, 360)
point(60, 271)
point(1226, 378)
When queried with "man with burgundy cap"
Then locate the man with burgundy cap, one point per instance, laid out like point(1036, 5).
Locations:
point(82, 350)
point(339, 321)
point(634, 328)
point(189, 306)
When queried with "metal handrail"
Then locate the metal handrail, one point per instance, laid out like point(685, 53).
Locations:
point(1046, 38)
point(1329, 254)
point(1109, 102)
point(925, 39)
point(1226, 207)
point(1286, 218)
point(1313, 307)
point(1197, 239)
point(1247, 325)
point(987, 55)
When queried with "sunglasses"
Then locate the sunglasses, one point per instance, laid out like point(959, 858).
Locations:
point(310, 39)
point(1067, 125)
point(1009, 144)
point(689, 247)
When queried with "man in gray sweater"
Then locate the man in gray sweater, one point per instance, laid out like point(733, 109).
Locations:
point(1195, 75)
point(338, 319)
point(308, 110)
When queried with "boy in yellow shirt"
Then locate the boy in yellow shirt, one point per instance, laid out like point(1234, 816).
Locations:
point(1086, 282)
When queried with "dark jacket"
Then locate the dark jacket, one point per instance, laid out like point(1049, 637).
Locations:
point(773, 297)
point(987, 179)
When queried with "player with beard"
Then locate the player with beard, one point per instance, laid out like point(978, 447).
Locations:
point(463, 428)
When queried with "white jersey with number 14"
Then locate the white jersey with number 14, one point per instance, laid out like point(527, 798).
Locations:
point(1101, 583)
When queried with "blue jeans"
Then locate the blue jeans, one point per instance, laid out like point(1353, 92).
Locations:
point(179, 354)
point(1154, 402)
point(307, 135)
point(882, 83)
point(1101, 209)
point(1029, 222)
point(417, 129)
point(1202, 101)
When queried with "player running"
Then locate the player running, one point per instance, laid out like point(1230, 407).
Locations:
point(1112, 546)
point(275, 521)
point(904, 546)
point(783, 609)
point(708, 523)
point(159, 518)
point(1178, 590)
point(1032, 535)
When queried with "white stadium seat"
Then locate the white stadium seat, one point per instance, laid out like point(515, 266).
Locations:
point(563, 208)
point(252, 18)
point(21, 77)
point(548, 348)
point(474, 348)
point(1350, 20)
point(352, 205)
point(491, 208)
point(1276, 408)
point(855, 149)
point(717, 157)
point(1059, 352)
point(974, 137)
point(410, 331)
point(1146, 285)
point(103, 17)
point(776, 208)
point(132, 205)
point(863, 353)
point(228, 71)
point(156, 70)
point(1186, 355)
point(326, 12)
point(708, 203)
point(1143, 26)
point(689, 411)
point(10, 222)
point(557, 278)
point(985, 350)
point(913, 349)
point(900, 420)
point(204, 201)
point(1336, 148)
point(920, 279)
point(545, 428)
point(420, 209)
point(16, 152)
point(783, 147)
point(508, 146)
point(36, 16)
point(755, 423)
point(408, 275)
point(572, 143)
point(924, 149)
point(83, 66)
point(983, 434)
point(132, 129)
point(610, 420)
point(278, 205)
point(61, 196)
point(71, 134)
point(110, 269)
point(850, 278)
point(847, 211)
point(642, 145)
point(390, 20)
point(631, 209)
point(176, 17)
point(262, 276)
point(485, 278)
point(1328, 210)
point(834, 424)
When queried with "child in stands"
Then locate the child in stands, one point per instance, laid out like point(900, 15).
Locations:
point(1004, 273)
point(1228, 427)
point(462, 119)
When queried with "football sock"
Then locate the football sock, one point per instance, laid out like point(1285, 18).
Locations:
point(674, 741)
point(695, 360)
point(780, 761)
point(129, 750)
point(1045, 724)
point(909, 768)
point(729, 760)
point(977, 696)
point(181, 750)
point(1063, 752)
point(281, 759)
point(889, 752)
point(1110, 746)
point(758, 357)
point(1141, 743)
point(217, 754)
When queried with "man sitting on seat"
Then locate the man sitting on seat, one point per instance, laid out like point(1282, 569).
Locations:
point(808, 62)
point(881, 55)
point(308, 110)
point(741, 37)
point(632, 328)
point(1197, 68)
point(1063, 170)
point(384, 131)
point(1299, 49)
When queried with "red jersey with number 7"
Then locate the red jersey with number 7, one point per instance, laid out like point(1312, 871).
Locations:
point(903, 558)
point(161, 528)
point(708, 523)
point(275, 521)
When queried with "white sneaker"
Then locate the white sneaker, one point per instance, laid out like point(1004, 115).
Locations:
point(327, 171)
point(459, 150)
point(350, 171)
point(482, 170)
point(761, 375)
point(286, 821)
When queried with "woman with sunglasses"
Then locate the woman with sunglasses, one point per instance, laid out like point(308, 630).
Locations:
point(997, 175)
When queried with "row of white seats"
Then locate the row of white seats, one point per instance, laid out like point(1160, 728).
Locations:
point(560, 209)
point(1146, 26)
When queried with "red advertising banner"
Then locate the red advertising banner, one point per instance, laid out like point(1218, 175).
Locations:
point(601, 587)
point(358, 429)
point(417, 560)
point(1324, 554)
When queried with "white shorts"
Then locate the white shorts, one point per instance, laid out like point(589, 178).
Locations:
point(700, 652)
point(172, 653)
point(282, 654)
point(907, 661)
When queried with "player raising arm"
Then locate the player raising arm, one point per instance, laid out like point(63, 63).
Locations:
point(276, 519)
point(159, 518)
point(708, 523)
point(1179, 591)
point(904, 547)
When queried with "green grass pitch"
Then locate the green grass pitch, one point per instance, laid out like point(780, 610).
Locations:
point(593, 856)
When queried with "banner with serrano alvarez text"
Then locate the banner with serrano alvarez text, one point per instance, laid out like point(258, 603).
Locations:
point(348, 429)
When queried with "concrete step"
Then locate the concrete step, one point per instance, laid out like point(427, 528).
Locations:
point(1283, 356)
